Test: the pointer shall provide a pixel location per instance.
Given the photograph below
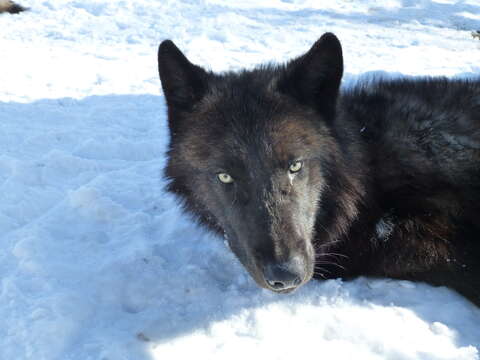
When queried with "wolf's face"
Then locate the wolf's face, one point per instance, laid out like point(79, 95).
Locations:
point(250, 154)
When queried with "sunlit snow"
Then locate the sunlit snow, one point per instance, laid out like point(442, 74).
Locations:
point(97, 261)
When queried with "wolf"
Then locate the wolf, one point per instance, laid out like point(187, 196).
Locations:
point(380, 179)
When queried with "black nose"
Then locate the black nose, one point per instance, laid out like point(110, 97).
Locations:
point(283, 276)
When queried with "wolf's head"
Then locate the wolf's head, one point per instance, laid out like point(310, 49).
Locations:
point(250, 154)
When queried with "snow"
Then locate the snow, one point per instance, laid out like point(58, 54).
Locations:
point(98, 262)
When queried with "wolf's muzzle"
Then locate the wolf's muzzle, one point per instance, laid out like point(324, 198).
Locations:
point(284, 276)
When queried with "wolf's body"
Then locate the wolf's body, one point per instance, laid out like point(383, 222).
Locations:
point(380, 180)
point(421, 142)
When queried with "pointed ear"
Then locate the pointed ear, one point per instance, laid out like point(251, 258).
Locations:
point(314, 78)
point(183, 83)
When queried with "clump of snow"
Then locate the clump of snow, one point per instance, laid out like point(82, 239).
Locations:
point(99, 262)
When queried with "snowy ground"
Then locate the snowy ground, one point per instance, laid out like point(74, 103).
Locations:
point(98, 262)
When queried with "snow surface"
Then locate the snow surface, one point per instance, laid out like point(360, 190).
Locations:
point(98, 262)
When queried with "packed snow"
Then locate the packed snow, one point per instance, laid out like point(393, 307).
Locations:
point(99, 262)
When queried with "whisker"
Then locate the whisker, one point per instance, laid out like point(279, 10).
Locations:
point(332, 254)
point(317, 246)
point(331, 263)
point(321, 268)
point(319, 274)
point(326, 230)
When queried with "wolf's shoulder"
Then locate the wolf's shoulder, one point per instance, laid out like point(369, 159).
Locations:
point(425, 127)
point(418, 94)
point(414, 104)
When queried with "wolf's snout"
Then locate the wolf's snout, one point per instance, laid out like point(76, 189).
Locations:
point(283, 276)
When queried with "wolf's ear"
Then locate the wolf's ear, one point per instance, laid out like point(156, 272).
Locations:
point(183, 83)
point(314, 78)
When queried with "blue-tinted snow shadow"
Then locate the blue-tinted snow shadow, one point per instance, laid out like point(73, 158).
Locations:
point(184, 279)
point(459, 15)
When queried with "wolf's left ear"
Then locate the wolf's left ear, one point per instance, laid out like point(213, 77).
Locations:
point(314, 78)
point(183, 83)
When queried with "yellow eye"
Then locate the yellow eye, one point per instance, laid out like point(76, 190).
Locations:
point(225, 178)
point(295, 167)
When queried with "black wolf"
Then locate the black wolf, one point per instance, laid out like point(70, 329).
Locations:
point(380, 180)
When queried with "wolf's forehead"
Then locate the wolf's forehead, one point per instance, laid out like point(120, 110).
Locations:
point(268, 144)
point(254, 122)
point(281, 139)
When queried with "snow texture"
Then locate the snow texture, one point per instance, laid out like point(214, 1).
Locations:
point(98, 262)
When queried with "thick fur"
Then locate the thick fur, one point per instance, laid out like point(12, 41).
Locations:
point(7, 6)
point(390, 182)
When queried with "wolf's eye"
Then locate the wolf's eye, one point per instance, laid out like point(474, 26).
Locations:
point(295, 167)
point(225, 178)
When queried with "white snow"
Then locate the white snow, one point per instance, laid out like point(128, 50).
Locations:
point(98, 262)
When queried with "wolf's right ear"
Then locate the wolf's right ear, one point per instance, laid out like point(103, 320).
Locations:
point(183, 83)
point(314, 78)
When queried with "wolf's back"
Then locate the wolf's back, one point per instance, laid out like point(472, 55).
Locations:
point(430, 125)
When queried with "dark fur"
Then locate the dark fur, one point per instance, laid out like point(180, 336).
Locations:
point(7, 6)
point(390, 184)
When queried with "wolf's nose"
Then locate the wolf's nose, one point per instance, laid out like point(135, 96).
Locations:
point(282, 276)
